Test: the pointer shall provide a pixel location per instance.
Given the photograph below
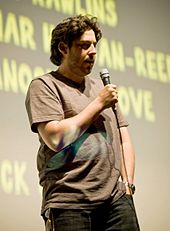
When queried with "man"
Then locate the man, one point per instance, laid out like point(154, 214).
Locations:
point(86, 158)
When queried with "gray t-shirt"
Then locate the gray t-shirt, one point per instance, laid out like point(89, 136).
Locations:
point(86, 172)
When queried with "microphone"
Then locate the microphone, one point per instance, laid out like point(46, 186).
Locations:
point(105, 77)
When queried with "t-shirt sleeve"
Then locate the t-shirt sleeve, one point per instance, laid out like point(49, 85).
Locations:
point(42, 104)
point(121, 119)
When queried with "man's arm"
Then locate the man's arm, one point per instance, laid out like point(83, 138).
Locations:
point(128, 158)
point(58, 135)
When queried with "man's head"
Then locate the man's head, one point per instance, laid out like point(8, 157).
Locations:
point(69, 30)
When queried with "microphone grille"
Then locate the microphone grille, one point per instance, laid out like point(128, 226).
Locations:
point(104, 73)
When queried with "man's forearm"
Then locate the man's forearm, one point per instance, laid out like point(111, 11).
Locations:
point(128, 157)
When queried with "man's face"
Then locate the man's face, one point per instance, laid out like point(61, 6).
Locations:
point(82, 54)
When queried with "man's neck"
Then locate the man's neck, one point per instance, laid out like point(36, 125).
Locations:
point(70, 75)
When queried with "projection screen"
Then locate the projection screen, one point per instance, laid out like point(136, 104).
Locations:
point(135, 48)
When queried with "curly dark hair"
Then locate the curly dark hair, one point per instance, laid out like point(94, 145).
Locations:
point(70, 29)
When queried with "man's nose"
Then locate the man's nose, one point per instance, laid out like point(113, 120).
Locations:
point(92, 49)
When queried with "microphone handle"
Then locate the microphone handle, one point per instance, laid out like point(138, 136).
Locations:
point(104, 74)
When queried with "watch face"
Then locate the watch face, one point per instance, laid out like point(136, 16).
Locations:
point(132, 186)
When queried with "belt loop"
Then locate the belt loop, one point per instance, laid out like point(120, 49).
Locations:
point(49, 224)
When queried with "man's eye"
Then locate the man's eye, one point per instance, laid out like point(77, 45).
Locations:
point(85, 46)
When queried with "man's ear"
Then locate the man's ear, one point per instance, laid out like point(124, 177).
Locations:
point(62, 48)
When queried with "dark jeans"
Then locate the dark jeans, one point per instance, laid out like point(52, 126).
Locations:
point(118, 216)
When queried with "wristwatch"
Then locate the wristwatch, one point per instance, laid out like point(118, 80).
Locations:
point(131, 187)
